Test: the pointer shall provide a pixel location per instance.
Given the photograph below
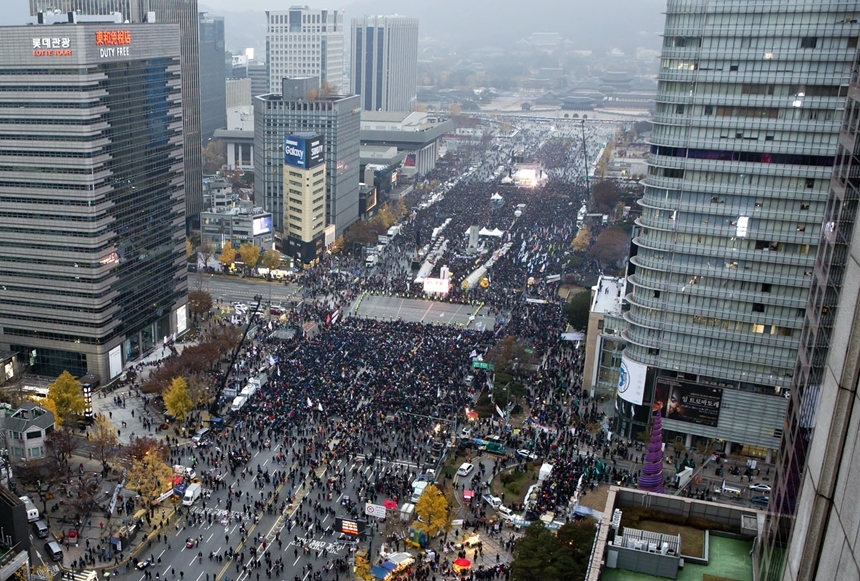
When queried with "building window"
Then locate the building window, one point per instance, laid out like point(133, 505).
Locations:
point(809, 42)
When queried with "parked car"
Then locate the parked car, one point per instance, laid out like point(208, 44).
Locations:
point(527, 454)
point(760, 500)
point(493, 501)
point(760, 486)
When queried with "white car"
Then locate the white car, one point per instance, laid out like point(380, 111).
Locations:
point(493, 501)
point(760, 486)
point(465, 469)
point(466, 431)
point(527, 454)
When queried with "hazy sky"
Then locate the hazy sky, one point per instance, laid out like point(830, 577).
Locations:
point(474, 22)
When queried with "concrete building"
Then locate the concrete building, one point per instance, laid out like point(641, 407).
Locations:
point(26, 430)
point(239, 137)
point(811, 531)
point(213, 76)
point(603, 342)
point(384, 62)
point(336, 118)
point(304, 197)
point(218, 194)
point(742, 150)
point(91, 174)
point(416, 136)
point(238, 93)
point(181, 12)
point(305, 42)
point(242, 224)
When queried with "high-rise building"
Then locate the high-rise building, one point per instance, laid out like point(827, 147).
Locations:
point(337, 119)
point(181, 12)
point(749, 105)
point(304, 196)
point(91, 183)
point(305, 42)
point(384, 62)
point(813, 519)
point(213, 76)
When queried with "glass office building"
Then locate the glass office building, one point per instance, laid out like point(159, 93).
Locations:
point(181, 12)
point(213, 76)
point(749, 105)
point(91, 194)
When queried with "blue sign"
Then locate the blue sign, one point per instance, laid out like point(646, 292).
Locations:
point(303, 152)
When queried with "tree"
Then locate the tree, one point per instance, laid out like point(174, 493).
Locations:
point(577, 310)
point(582, 240)
point(454, 109)
point(205, 252)
point(150, 477)
point(198, 390)
point(228, 254)
point(542, 556)
point(42, 475)
point(271, 259)
point(214, 155)
point(502, 354)
point(85, 494)
point(189, 248)
point(176, 399)
point(199, 302)
point(61, 444)
point(140, 447)
point(432, 511)
point(605, 195)
point(67, 397)
point(249, 253)
point(104, 440)
point(611, 245)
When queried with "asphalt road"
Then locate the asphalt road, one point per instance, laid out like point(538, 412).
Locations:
point(232, 288)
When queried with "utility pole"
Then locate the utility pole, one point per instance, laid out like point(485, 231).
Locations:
point(214, 409)
point(585, 155)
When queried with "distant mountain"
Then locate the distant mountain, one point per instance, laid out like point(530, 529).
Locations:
point(597, 26)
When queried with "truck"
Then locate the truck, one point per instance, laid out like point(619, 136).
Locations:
point(407, 511)
point(238, 403)
point(371, 261)
point(417, 490)
point(394, 231)
point(192, 493)
point(32, 511)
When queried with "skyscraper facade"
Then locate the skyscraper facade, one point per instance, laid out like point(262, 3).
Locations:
point(337, 119)
point(213, 76)
point(91, 194)
point(181, 12)
point(305, 42)
point(812, 517)
point(749, 105)
point(384, 62)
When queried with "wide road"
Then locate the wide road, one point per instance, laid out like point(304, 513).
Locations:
point(230, 288)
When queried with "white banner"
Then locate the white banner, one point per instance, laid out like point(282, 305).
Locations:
point(631, 381)
point(115, 361)
point(181, 319)
point(376, 510)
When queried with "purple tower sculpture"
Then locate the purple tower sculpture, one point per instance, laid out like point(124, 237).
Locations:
point(651, 479)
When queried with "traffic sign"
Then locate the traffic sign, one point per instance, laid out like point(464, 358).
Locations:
point(375, 510)
point(482, 365)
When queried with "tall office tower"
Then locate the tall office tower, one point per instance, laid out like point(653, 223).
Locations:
point(213, 76)
point(336, 118)
point(181, 12)
point(384, 62)
point(91, 183)
point(304, 197)
point(305, 42)
point(813, 519)
point(749, 103)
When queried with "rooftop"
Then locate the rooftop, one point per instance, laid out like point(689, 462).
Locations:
point(608, 293)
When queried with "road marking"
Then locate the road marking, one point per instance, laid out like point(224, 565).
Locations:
point(210, 537)
point(299, 558)
point(199, 576)
point(161, 553)
point(179, 531)
point(192, 563)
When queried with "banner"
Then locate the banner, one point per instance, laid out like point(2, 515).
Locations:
point(376, 510)
point(689, 402)
point(631, 381)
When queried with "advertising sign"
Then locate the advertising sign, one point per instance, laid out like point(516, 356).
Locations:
point(261, 225)
point(303, 152)
point(689, 402)
point(631, 381)
point(349, 526)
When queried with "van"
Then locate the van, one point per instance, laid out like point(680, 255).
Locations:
point(54, 550)
point(465, 469)
point(192, 493)
point(41, 529)
point(32, 511)
point(200, 436)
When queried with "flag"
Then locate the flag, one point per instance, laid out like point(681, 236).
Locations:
point(473, 354)
point(310, 403)
point(499, 410)
point(438, 393)
point(319, 406)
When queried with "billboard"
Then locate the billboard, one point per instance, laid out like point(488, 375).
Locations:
point(689, 402)
point(303, 152)
point(261, 225)
point(631, 381)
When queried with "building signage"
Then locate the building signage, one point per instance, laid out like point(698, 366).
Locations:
point(303, 152)
point(261, 225)
point(53, 46)
point(113, 43)
point(689, 402)
point(631, 381)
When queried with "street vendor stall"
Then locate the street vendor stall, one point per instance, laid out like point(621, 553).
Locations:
point(461, 566)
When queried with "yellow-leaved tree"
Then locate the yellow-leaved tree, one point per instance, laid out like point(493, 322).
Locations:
point(67, 397)
point(228, 254)
point(150, 477)
point(271, 259)
point(249, 253)
point(432, 511)
point(582, 240)
point(177, 400)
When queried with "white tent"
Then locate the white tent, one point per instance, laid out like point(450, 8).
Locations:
point(496, 197)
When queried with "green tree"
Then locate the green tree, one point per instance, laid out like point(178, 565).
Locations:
point(541, 555)
point(577, 310)
point(432, 510)
point(67, 397)
point(271, 259)
point(176, 399)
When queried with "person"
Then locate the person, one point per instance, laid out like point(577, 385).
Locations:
point(674, 407)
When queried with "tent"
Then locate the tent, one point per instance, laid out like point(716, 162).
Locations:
point(389, 566)
point(379, 572)
point(462, 564)
point(402, 559)
point(496, 197)
point(389, 504)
